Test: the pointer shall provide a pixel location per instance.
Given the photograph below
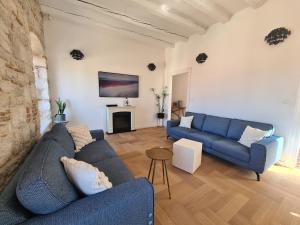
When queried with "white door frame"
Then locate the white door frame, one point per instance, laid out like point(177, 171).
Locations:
point(187, 71)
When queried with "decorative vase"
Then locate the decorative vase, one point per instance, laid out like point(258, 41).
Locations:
point(60, 117)
point(160, 115)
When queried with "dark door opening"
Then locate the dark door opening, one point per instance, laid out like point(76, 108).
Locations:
point(121, 122)
point(180, 93)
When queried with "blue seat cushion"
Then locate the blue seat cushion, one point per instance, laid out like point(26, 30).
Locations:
point(43, 186)
point(60, 134)
point(11, 211)
point(237, 127)
point(115, 170)
point(205, 138)
point(198, 119)
point(232, 148)
point(180, 132)
point(216, 125)
point(95, 151)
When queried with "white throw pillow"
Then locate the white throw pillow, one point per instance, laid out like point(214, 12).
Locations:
point(87, 178)
point(81, 136)
point(186, 121)
point(252, 135)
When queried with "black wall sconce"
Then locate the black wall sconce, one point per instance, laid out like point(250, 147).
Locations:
point(151, 66)
point(77, 54)
point(201, 58)
point(277, 36)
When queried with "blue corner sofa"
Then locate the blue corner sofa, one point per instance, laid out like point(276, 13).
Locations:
point(220, 137)
point(41, 179)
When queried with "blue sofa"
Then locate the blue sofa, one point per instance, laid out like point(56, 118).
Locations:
point(41, 179)
point(220, 136)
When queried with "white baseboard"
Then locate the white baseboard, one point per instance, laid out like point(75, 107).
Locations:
point(146, 126)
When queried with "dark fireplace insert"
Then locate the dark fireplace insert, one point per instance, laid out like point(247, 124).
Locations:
point(121, 122)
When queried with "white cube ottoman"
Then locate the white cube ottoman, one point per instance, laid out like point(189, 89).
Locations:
point(187, 155)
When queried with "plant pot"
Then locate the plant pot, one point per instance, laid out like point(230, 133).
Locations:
point(60, 117)
point(160, 115)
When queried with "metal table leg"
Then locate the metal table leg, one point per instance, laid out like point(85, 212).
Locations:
point(150, 169)
point(163, 170)
point(164, 162)
point(153, 172)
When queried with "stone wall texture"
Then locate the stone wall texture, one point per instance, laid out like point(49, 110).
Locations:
point(19, 117)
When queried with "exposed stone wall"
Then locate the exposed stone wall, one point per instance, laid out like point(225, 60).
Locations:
point(19, 119)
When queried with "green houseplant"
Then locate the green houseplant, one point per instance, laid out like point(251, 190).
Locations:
point(60, 116)
point(160, 101)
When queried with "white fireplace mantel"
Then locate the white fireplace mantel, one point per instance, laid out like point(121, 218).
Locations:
point(113, 109)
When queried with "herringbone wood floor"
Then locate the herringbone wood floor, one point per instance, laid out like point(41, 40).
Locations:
point(219, 193)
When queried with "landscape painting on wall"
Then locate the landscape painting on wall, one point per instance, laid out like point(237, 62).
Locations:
point(118, 85)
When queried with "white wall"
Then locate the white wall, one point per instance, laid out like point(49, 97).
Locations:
point(244, 77)
point(180, 88)
point(77, 81)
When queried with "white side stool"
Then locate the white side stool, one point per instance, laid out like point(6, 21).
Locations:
point(187, 155)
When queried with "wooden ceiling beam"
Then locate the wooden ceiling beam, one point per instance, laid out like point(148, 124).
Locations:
point(153, 29)
point(211, 9)
point(82, 19)
point(254, 3)
point(171, 17)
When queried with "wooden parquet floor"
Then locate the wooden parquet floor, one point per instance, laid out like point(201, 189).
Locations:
point(218, 193)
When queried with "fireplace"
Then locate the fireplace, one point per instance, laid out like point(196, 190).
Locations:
point(120, 119)
point(121, 122)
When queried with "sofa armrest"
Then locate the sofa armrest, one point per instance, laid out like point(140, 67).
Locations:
point(266, 153)
point(128, 204)
point(97, 134)
point(173, 123)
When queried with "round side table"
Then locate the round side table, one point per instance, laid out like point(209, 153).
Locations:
point(159, 154)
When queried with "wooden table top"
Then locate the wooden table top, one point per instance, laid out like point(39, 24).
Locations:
point(159, 153)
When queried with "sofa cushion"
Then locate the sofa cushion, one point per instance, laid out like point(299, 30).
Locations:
point(115, 170)
point(252, 135)
point(198, 120)
point(80, 135)
point(44, 186)
point(60, 134)
point(11, 211)
point(205, 138)
point(186, 121)
point(216, 125)
point(180, 132)
point(95, 151)
point(237, 127)
point(232, 148)
point(86, 177)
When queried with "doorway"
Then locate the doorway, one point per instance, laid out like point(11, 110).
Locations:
point(180, 95)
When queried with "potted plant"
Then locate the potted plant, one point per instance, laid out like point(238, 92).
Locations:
point(160, 102)
point(60, 116)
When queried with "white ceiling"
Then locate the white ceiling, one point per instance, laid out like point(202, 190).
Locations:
point(163, 22)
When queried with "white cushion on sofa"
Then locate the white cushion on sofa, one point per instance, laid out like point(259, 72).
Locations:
point(87, 178)
point(252, 135)
point(81, 136)
point(186, 121)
